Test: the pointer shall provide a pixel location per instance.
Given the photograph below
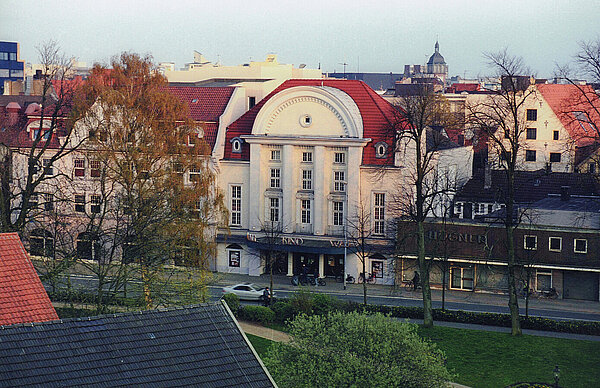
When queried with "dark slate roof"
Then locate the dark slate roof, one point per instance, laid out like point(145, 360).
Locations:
point(23, 298)
point(188, 346)
point(530, 186)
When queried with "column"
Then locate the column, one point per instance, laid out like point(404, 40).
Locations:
point(287, 186)
point(353, 180)
point(321, 265)
point(290, 271)
point(255, 189)
point(319, 190)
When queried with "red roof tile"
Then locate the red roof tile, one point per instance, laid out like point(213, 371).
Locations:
point(206, 105)
point(574, 105)
point(377, 115)
point(23, 298)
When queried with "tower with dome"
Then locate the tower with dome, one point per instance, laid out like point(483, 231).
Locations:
point(436, 66)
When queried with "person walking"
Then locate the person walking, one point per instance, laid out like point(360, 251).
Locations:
point(415, 280)
point(267, 297)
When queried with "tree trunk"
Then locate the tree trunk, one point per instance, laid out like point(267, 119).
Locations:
point(364, 269)
point(444, 270)
point(146, 285)
point(427, 311)
point(513, 302)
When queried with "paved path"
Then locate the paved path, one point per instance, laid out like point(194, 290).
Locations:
point(264, 332)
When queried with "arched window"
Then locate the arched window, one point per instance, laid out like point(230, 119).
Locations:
point(381, 149)
point(236, 145)
point(88, 246)
point(41, 243)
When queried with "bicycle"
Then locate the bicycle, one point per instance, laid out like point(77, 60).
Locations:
point(409, 285)
point(370, 278)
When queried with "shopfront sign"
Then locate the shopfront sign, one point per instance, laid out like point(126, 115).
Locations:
point(468, 238)
point(292, 240)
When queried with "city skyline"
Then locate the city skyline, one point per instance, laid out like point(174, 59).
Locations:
point(373, 37)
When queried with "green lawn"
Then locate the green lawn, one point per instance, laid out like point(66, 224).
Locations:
point(484, 359)
point(261, 345)
point(490, 359)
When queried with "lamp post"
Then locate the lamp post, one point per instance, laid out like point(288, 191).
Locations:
point(556, 372)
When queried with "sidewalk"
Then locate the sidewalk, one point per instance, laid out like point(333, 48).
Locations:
point(284, 283)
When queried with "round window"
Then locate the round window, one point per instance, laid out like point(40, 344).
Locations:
point(305, 121)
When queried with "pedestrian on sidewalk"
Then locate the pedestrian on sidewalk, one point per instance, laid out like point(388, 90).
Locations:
point(415, 281)
point(267, 297)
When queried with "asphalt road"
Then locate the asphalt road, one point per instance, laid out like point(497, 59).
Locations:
point(87, 282)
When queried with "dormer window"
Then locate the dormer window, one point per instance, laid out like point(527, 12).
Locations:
point(236, 145)
point(45, 133)
point(381, 149)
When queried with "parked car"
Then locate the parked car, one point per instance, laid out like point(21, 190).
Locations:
point(246, 291)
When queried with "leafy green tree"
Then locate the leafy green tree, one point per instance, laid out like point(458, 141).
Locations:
point(356, 350)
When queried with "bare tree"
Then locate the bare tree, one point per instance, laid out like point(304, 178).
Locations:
point(27, 164)
point(501, 117)
point(421, 119)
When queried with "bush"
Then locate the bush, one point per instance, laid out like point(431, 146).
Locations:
point(233, 301)
point(323, 304)
point(283, 311)
point(261, 314)
point(302, 302)
point(355, 350)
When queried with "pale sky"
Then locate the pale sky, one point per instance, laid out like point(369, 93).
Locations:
point(371, 36)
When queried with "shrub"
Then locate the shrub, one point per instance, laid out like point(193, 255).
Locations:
point(323, 304)
point(261, 314)
point(233, 301)
point(355, 350)
point(302, 302)
point(283, 311)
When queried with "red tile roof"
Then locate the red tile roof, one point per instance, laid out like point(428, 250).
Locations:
point(377, 115)
point(567, 101)
point(206, 105)
point(23, 298)
point(459, 88)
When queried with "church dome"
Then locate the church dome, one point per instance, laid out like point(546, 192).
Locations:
point(436, 58)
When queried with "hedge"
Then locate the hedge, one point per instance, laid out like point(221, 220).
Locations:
point(261, 314)
point(285, 309)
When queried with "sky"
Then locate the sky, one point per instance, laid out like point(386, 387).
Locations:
point(370, 36)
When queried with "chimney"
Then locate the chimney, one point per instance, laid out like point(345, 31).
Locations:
point(13, 109)
point(487, 178)
point(564, 193)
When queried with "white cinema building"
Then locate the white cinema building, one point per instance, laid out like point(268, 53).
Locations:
point(306, 158)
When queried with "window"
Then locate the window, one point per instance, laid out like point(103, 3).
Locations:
point(88, 246)
point(532, 133)
point(274, 209)
point(195, 173)
point(41, 243)
point(339, 181)
point(530, 242)
point(530, 155)
point(592, 168)
point(505, 156)
point(555, 244)
point(554, 157)
point(13, 56)
point(275, 178)
point(580, 245)
point(37, 134)
point(555, 135)
point(251, 103)
point(338, 213)
point(234, 258)
point(95, 169)
point(79, 167)
point(490, 208)
point(236, 145)
point(33, 201)
point(95, 201)
point(305, 211)
point(305, 121)
point(379, 213)
point(531, 114)
point(80, 203)
point(3, 56)
point(543, 279)
point(236, 205)
point(306, 179)
point(339, 158)
point(462, 278)
point(380, 150)
point(276, 155)
point(47, 164)
point(458, 208)
point(307, 157)
point(48, 202)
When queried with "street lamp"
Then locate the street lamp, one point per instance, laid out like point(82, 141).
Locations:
point(556, 372)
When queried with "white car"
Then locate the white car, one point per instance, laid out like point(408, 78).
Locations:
point(246, 291)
